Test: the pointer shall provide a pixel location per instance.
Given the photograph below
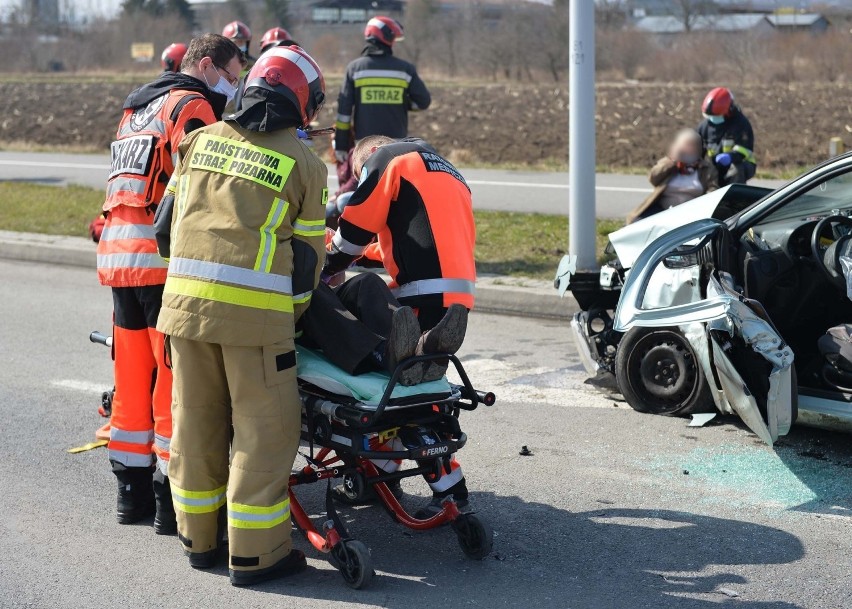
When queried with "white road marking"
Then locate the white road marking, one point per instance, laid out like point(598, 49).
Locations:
point(333, 179)
point(39, 164)
point(80, 385)
point(563, 186)
point(557, 387)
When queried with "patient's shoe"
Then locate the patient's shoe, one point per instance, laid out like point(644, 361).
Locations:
point(402, 344)
point(342, 494)
point(446, 337)
point(436, 506)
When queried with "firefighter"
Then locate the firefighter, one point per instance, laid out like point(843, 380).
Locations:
point(246, 244)
point(172, 57)
point(420, 208)
point(728, 137)
point(377, 93)
point(156, 118)
point(240, 34)
point(275, 37)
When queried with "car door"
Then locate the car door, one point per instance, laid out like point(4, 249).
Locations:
point(746, 362)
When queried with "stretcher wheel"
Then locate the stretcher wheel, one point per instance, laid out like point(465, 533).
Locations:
point(354, 488)
point(105, 409)
point(476, 538)
point(353, 560)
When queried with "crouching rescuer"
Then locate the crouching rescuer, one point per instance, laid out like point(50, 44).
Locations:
point(246, 241)
point(156, 118)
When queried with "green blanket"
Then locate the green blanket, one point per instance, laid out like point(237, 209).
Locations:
point(368, 388)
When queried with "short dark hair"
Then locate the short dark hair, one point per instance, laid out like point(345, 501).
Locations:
point(218, 48)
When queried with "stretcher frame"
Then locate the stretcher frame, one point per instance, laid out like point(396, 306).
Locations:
point(340, 425)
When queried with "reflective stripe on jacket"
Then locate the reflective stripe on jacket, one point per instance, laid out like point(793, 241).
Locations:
point(142, 155)
point(421, 209)
point(378, 90)
point(245, 240)
point(142, 163)
point(127, 251)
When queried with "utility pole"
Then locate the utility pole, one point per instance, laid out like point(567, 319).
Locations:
point(581, 132)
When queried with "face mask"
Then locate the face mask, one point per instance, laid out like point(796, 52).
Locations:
point(223, 87)
point(688, 159)
point(716, 120)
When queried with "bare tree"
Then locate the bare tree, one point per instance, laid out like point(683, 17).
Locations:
point(420, 18)
point(691, 11)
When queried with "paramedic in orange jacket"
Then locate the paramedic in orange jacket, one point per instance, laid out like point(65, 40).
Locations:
point(156, 118)
point(419, 208)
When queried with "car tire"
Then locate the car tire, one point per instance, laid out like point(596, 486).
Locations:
point(658, 372)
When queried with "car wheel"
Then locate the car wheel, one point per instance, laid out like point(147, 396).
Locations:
point(658, 372)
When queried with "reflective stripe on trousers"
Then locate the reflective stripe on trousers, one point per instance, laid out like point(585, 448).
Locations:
point(448, 480)
point(435, 286)
point(161, 449)
point(242, 516)
point(137, 443)
point(198, 502)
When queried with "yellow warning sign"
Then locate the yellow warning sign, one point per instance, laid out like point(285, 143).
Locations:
point(142, 51)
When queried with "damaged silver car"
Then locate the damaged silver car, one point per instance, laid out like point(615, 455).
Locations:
point(735, 302)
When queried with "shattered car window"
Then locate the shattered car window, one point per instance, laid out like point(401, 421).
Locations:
point(824, 198)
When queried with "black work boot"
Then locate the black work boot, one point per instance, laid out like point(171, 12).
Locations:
point(446, 337)
point(291, 564)
point(135, 493)
point(401, 344)
point(165, 522)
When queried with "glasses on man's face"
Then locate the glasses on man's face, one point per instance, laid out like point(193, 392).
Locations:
point(228, 76)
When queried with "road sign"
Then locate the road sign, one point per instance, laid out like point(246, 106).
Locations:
point(142, 51)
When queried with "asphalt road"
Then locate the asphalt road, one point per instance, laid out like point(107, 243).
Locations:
point(614, 509)
point(493, 189)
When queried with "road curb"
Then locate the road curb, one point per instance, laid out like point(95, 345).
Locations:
point(48, 249)
point(494, 294)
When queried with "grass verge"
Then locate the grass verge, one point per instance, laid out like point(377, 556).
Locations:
point(36, 208)
point(523, 245)
point(528, 245)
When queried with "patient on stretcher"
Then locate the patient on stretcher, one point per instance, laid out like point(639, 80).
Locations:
point(361, 327)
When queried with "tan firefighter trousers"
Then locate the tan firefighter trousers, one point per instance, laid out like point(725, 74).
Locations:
point(254, 390)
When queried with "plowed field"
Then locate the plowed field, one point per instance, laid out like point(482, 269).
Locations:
point(519, 124)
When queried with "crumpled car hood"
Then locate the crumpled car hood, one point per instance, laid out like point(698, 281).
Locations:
point(633, 238)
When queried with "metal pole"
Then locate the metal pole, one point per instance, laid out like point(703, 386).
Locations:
point(581, 134)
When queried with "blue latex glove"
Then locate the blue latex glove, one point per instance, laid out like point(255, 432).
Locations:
point(723, 159)
point(303, 135)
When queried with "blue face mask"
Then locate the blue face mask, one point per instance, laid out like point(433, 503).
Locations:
point(716, 120)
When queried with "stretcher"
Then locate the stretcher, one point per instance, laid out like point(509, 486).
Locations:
point(348, 421)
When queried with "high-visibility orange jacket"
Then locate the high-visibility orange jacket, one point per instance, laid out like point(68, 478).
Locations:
point(156, 118)
point(421, 209)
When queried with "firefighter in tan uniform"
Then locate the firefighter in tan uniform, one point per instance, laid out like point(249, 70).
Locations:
point(246, 249)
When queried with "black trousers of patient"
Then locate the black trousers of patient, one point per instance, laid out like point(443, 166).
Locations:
point(351, 321)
